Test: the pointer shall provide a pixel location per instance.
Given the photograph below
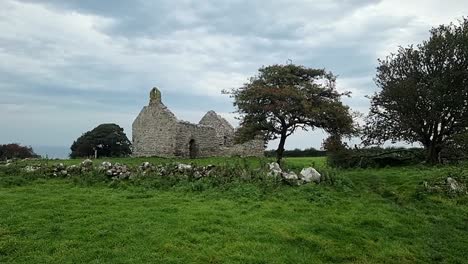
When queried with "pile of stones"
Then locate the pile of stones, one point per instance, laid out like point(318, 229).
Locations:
point(32, 168)
point(8, 162)
point(449, 185)
point(62, 170)
point(59, 170)
point(307, 175)
point(176, 169)
point(117, 171)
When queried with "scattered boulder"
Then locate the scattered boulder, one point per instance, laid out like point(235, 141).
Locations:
point(448, 185)
point(453, 185)
point(73, 169)
point(275, 169)
point(307, 174)
point(310, 175)
point(290, 176)
point(145, 166)
point(105, 165)
point(87, 163)
point(184, 167)
point(31, 168)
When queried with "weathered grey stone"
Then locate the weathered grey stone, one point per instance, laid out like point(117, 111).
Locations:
point(31, 168)
point(87, 163)
point(157, 132)
point(290, 176)
point(184, 167)
point(310, 175)
point(274, 169)
point(73, 169)
point(105, 165)
point(145, 165)
point(453, 185)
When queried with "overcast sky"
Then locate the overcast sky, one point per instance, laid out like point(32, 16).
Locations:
point(67, 66)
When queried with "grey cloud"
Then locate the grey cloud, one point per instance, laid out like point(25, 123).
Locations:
point(261, 19)
point(105, 64)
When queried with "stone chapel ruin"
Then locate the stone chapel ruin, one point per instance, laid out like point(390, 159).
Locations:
point(158, 132)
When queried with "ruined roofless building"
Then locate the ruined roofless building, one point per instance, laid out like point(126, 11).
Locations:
point(158, 132)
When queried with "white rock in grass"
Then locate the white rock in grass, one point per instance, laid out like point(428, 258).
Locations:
point(453, 184)
point(105, 165)
point(310, 175)
point(184, 167)
point(275, 169)
point(30, 169)
point(290, 176)
point(87, 163)
point(145, 165)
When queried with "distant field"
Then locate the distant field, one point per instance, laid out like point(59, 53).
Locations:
point(368, 216)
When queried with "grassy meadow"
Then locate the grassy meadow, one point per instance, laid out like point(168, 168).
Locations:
point(366, 216)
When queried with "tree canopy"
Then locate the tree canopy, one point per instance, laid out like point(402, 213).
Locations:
point(15, 150)
point(109, 140)
point(424, 92)
point(284, 98)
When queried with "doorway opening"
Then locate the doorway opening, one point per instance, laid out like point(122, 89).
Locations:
point(193, 149)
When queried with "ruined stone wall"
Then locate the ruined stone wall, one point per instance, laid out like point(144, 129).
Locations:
point(154, 132)
point(157, 132)
point(203, 138)
point(252, 148)
point(224, 130)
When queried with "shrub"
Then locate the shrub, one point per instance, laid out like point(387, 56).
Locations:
point(308, 152)
point(16, 151)
point(375, 157)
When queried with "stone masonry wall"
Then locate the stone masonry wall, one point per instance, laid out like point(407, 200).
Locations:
point(252, 148)
point(224, 130)
point(158, 132)
point(203, 138)
point(154, 132)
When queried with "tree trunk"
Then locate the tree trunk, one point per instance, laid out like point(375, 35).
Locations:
point(280, 150)
point(433, 154)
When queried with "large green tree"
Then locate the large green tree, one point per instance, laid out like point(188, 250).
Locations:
point(284, 98)
point(424, 92)
point(109, 140)
point(15, 150)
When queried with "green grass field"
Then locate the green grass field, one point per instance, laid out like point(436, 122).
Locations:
point(367, 216)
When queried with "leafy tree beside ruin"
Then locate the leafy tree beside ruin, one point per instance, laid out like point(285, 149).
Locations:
point(424, 93)
point(106, 140)
point(284, 98)
point(16, 151)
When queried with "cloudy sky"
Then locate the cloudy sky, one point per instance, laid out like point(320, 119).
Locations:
point(67, 66)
